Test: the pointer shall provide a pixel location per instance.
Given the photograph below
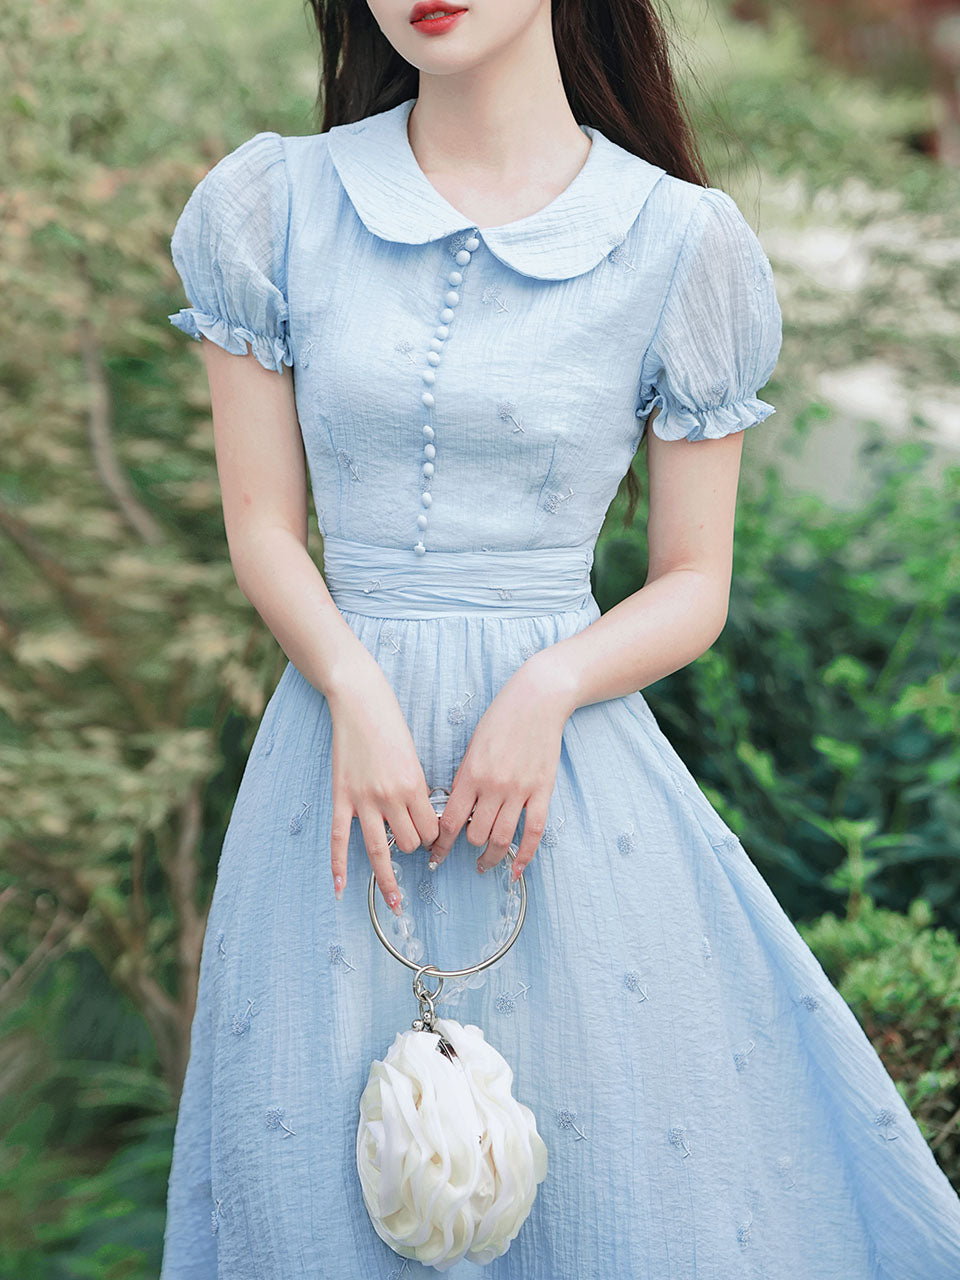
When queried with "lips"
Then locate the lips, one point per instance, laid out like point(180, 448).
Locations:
point(433, 11)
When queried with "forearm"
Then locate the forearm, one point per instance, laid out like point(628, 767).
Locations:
point(279, 577)
point(665, 625)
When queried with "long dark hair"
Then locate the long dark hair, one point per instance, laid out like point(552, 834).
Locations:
point(614, 63)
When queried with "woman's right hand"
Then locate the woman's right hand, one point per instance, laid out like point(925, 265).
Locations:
point(376, 776)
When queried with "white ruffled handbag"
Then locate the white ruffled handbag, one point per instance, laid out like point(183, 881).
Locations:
point(449, 1161)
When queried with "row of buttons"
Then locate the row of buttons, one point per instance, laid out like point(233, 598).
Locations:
point(450, 298)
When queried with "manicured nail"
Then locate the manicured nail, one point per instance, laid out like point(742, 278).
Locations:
point(480, 869)
point(394, 901)
point(432, 864)
point(338, 887)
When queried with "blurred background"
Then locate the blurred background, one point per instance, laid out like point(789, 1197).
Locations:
point(824, 725)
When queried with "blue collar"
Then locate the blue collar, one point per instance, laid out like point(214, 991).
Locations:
point(573, 233)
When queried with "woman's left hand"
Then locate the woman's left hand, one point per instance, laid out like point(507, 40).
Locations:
point(510, 763)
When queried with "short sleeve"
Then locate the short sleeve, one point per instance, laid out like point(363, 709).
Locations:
point(229, 247)
point(719, 334)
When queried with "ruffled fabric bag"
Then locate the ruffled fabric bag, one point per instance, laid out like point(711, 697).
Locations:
point(449, 1161)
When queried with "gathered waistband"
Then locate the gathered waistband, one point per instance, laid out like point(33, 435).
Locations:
point(396, 582)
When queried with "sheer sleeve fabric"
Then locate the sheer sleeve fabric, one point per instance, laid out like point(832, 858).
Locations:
point(229, 247)
point(719, 334)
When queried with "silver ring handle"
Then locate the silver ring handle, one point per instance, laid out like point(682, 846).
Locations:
point(438, 799)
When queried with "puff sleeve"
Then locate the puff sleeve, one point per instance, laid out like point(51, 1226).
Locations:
point(229, 248)
point(719, 334)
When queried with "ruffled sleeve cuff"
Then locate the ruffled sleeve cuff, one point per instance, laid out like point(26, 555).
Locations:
point(685, 422)
point(272, 351)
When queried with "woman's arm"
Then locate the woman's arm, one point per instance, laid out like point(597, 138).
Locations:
point(263, 482)
point(513, 755)
point(682, 607)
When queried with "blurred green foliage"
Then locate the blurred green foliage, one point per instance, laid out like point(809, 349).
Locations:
point(823, 724)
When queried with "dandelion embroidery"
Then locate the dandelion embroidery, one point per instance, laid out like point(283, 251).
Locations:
point(389, 636)
point(618, 253)
point(627, 841)
point(810, 1001)
point(306, 353)
point(405, 348)
point(459, 241)
point(678, 1137)
point(553, 500)
point(740, 1059)
point(457, 713)
point(551, 834)
point(221, 950)
point(631, 980)
point(527, 651)
point(885, 1119)
point(493, 294)
point(504, 593)
point(268, 745)
point(743, 1234)
point(705, 949)
point(567, 1119)
point(785, 1169)
point(426, 893)
point(216, 1213)
point(275, 1121)
point(295, 825)
point(241, 1021)
point(506, 1001)
point(335, 952)
point(507, 412)
point(375, 585)
point(762, 275)
point(345, 460)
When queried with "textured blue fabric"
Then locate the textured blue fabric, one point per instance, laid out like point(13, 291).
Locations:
point(470, 400)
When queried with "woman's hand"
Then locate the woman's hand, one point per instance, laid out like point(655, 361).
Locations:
point(376, 775)
point(510, 763)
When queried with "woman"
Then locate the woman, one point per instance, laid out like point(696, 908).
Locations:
point(465, 309)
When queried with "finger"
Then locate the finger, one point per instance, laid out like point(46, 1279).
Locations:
point(340, 828)
point(424, 818)
point(483, 817)
point(534, 822)
point(375, 838)
point(501, 834)
point(456, 811)
point(406, 837)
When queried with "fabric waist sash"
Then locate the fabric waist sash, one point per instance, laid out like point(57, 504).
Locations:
point(396, 582)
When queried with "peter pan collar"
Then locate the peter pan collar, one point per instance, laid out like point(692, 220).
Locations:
point(573, 233)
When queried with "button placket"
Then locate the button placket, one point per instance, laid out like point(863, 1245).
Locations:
point(451, 299)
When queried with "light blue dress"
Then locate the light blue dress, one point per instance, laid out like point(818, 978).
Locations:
point(470, 401)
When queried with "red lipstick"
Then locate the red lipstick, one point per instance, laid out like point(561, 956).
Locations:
point(433, 17)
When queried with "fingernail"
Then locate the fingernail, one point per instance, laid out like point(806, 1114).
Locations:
point(432, 865)
point(394, 901)
point(338, 887)
point(480, 869)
